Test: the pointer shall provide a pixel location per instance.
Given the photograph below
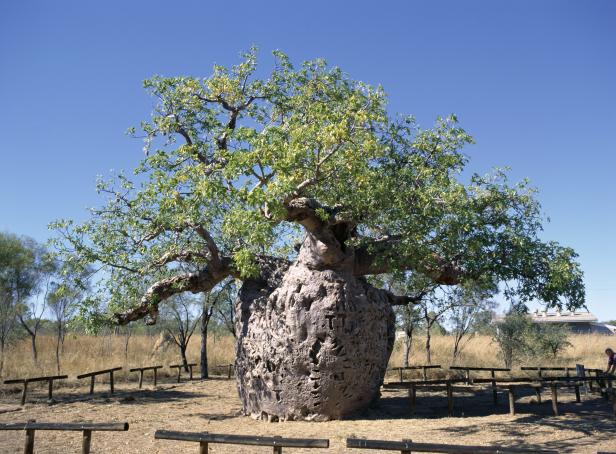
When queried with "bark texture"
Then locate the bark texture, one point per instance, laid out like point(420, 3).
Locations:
point(312, 343)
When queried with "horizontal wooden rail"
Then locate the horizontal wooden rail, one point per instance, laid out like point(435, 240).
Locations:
point(98, 426)
point(135, 369)
point(99, 372)
point(204, 438)
point(407, 446)
point(541, 369)
point(93, 375)
point(424, 369)
point(31, 379)
point(496, 369)
point(403, 446)
point(86, 428)
point(49, 379)
point(407, 384)
point(181, 366)
point(141, 370)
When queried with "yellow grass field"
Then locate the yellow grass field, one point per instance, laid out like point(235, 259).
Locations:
point(85, 353)
point(213, 405)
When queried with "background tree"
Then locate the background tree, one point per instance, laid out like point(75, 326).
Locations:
point(225, 309)
point(64, 299)
point(551, 339)
point(8, 318)
point(470, 305)
point(239, 169)
point(31, 309)
point(23, 268)
point(513, 336)
point(211, 302)
point(181, 310)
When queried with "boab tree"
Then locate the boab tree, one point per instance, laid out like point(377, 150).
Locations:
point(300, 184)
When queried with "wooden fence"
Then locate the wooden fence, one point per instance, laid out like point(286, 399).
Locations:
point(92, 376)
point(31, 427)
point(49, 379)
point(408, 446)
point(205, 438)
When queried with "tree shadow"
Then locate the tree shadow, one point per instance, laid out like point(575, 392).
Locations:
point(396, 405)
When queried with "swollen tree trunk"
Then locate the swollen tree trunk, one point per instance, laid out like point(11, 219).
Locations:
point(313, 342)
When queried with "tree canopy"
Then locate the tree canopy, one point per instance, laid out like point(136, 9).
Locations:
point(239, 167)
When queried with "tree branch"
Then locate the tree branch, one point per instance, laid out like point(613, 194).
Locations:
point(201, 281)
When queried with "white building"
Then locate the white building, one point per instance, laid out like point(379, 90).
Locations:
point(578, 322)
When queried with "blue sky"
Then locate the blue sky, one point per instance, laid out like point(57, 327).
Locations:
point(533, 82)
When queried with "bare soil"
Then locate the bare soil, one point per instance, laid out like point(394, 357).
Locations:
point(213, 406)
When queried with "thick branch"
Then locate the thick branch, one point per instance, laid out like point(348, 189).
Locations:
point(379, 257)
point(328, 236)
point(201, 281)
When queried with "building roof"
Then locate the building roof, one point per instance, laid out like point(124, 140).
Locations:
point(559, 317)
point(563, 317)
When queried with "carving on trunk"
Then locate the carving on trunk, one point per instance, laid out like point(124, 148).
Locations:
point(312, 344)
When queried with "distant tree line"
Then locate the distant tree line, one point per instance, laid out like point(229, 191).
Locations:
point(40, 294)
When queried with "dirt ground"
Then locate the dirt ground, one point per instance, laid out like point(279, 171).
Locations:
point(213, 406)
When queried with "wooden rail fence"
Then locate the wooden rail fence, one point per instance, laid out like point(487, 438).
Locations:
point(205, 438)
point(86, 428)
point(541, 369)
point(93, 375)
point(408, 446)
point(229, 367)
point(492, 371)
point(424, 369)
point(49, 379)
point(141, 370)
point(181, 366)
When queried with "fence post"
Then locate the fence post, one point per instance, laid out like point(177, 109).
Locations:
point(140, 378)
point(24, 392)
point(29, 446)
point(449, 399)
point(406, 451)
point(494, 394)
point(277, 449)
point(155, 370)
point(50, 391)
point(111, 381)
point(554, 399)
point(87, 441)
point(229, 372)
point(203, 447)
point(92, 384)
point(511, 401)
point(412, 397)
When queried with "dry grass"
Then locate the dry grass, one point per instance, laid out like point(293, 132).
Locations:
point(85, 353)
point(213, 405)
point(480, 351)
